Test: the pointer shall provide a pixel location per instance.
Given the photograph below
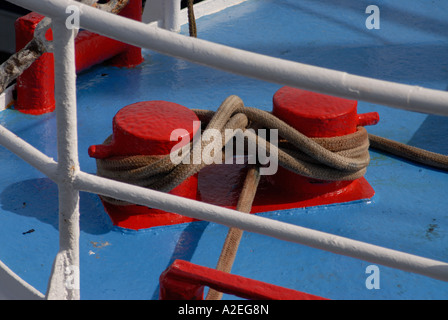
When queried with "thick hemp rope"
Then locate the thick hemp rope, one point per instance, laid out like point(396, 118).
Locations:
point(234, 235)
point(333, 159)
point(432, 159)
point(330, 159)
point(191, 19)
point(339, 158)
point(17, 63)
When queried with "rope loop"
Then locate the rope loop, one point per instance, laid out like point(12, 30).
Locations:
point(331, 159)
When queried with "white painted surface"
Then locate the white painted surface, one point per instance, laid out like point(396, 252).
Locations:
point(154, 13)
point(326, 81)
point(16, 288)
point(70, 179)
point(208, 7)
point(171, 14)
point(6, 98)
point(164, 13)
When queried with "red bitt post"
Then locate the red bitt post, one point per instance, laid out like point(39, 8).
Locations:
point(320, 116)
point(35, 87)
point(145, 128)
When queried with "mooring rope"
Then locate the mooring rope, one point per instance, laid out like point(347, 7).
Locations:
point(338, 158)
point(234, 235)
point(17, 63)
point(191, 19)
point(331, 159)
point(418, 155)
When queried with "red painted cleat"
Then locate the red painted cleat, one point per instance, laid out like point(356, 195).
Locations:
point(145, 128)
point(319, 116)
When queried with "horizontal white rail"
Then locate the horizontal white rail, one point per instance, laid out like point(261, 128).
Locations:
point(252, 223)
point(412, 98)
point(70, 180)
point(231, 218)
point(28, 153)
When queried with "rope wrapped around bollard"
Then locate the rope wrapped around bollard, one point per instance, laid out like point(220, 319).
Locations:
point(332, 159)
point(337, 158)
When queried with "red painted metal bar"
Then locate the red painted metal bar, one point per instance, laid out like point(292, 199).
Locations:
point(35, 87)
point(186, 281)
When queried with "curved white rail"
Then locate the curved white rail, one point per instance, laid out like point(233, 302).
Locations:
point(17, 288)
point(412, 98)
point(231, 218)
point(70, 180)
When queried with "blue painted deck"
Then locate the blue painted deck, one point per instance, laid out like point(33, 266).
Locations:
point(408, 213)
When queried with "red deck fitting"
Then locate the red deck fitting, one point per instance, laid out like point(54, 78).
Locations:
point(315, 115)
point(319, 116)
point(185, 281)
point(35, 87)
point(145, 128)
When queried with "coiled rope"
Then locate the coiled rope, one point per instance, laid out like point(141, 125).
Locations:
point(331, 159)
point(338, 158)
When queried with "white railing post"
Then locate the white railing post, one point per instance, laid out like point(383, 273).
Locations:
point(64, 281)
point(153, 11)
point(165, 12)
point(171, 15)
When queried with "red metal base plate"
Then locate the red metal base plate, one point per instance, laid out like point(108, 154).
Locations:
point(221, 189)
point(221, 185)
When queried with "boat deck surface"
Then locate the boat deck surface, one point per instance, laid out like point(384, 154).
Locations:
point(408, 212)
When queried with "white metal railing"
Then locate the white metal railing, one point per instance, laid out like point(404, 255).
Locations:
point(412, 98)
point(166, 14)
point(6, 98)
point(71, 180)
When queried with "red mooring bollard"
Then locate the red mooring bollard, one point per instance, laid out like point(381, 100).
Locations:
point(183, 280)
point(35, 87)
point(318, 116)
point(145, 128)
